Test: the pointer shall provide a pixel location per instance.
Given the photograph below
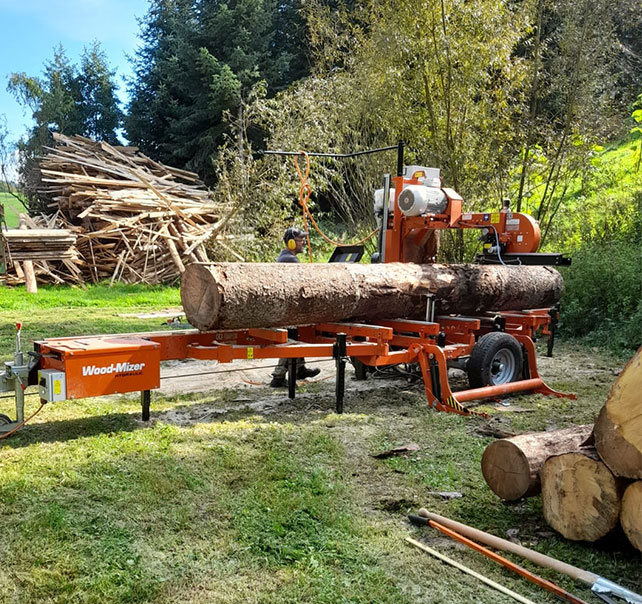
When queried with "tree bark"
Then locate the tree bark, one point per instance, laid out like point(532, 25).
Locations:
point(618, 428)
point(631, 514)
point(511, 466)
point(580, 495)
point(243, 295)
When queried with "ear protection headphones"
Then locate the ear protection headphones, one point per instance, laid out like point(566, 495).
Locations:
point(290, 243)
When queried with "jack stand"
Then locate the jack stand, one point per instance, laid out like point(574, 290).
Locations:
point(292, 378)
point(14, 379)
point(145, 400)
point(340, 362)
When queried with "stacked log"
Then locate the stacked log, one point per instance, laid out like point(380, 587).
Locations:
point(580, 495)
point(631, 514)
point(511, 466)
point(618, 428)
point(135, 220)
point(585, 489)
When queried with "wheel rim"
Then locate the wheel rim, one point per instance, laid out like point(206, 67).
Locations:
point(502, 368)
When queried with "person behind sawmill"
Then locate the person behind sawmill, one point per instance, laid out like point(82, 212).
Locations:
point(294, 241)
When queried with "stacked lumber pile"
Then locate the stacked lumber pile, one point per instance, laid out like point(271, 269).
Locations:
point(590, 477)
point(135, 220)
point(39, 244)
point(27, 259)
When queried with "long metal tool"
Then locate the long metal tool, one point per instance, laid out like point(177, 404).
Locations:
point(598, 584)
point(532, 577)
point(469, 571)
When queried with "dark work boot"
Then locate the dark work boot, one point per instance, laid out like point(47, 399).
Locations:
point(304, 372)
point(278, 382)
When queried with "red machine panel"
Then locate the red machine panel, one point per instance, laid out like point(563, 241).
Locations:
point(104, 365)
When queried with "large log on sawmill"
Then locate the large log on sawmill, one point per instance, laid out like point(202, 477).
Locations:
point(618, 428)
point(511, 466)
point(240, 295)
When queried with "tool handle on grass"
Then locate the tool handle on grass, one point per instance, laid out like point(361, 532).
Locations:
point(469, 571)
point(508, 546)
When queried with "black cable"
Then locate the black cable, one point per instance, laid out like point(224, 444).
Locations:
point(332, 155)
point(172, 377)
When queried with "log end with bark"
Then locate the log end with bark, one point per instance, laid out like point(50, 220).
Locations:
point(618, 428)
point(580, 496)
point(631, 514)
point(511, 466)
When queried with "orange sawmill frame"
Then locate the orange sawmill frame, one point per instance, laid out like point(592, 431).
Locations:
point(430, 344)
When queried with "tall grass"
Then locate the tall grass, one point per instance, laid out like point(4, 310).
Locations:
point(603, 296)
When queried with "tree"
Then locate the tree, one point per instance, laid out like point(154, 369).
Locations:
point(440, 75)
point(67, 100)
point(7, 163)
point(200, 58)
point(99, 110)
point(570, 103)
point(53, 100)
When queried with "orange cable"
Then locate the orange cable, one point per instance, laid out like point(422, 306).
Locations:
point(23, 422)
point(304, 195)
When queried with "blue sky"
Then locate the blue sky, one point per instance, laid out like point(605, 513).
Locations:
point(30, 29)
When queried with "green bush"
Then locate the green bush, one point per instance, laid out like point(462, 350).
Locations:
point(603, 294)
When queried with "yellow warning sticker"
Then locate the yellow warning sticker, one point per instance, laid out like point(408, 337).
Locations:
point(57, 387)
point(494, 217)
point(250, 353)
point(451, 401)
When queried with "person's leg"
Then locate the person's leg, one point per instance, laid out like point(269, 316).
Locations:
point(279, 373)
point(303, 372)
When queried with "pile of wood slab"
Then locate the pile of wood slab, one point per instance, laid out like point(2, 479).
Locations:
point(39, 244)
point(135, 220)
point(590, 477)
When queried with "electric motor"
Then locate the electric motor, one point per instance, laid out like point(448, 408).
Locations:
point(416, 200)
point(378, 201)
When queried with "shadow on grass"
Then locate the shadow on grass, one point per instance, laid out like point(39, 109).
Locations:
point(71, 429)
point(272, 406)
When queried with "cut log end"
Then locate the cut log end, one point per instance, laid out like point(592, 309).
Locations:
point(580, 496)
point(199, 299)
point(618, 429)
point(506, 470)
point(631, 515)
point(511, 466)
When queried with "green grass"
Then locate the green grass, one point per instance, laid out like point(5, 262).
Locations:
point(12, 207)
point(118, 296)
point(249, 506)
point(64, 310)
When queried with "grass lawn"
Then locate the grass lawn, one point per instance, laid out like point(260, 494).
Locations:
point(12, 207)
point(237, 494)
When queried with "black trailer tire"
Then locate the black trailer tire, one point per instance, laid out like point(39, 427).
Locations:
point(495, 359)
point(4, 419)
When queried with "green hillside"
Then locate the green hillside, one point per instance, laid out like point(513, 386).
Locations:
point(601, 228)
point(12, 207)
